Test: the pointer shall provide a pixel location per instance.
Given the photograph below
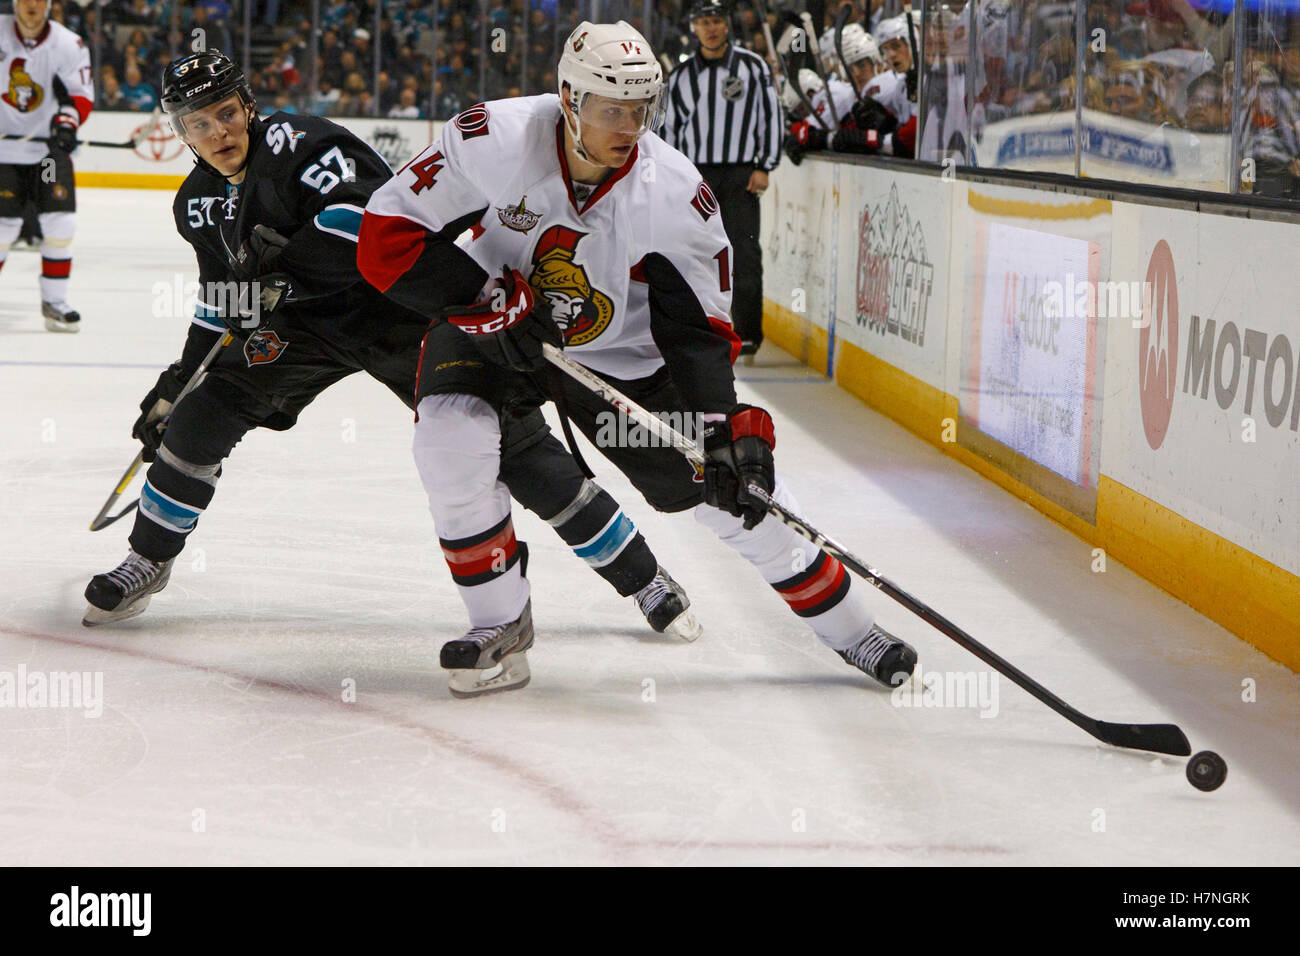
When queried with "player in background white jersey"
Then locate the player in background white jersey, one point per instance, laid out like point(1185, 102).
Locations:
point(45, 95)
point(607, 241)
point(881, 120)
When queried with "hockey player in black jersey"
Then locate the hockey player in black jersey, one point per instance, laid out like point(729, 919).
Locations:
point(272, 210)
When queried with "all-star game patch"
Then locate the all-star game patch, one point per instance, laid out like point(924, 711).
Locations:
point(519, 218)
point(263, 348)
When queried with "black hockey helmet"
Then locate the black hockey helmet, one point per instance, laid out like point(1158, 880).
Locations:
point(709, 8)
point(196, 80)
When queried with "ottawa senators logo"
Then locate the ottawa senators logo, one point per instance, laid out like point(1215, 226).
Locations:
point(23, 94)
point(581, 312)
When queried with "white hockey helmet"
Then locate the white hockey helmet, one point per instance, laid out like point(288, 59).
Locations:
point(810, 82)
point(895, 28)
point(614, 61)
point(858, 44)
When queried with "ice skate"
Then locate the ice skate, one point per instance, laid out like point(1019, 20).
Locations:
point(59, 318)
point(883, 656)
point(124, 592)
point(666, 607)
point(490, 659)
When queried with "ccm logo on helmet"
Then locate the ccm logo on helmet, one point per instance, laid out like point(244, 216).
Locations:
point(198, 89)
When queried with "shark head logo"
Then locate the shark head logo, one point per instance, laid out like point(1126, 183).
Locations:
point(1158, 345)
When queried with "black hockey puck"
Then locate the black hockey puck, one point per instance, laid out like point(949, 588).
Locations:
point(1206, 770)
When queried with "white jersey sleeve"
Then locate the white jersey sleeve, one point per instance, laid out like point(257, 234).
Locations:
point(889, 89)
point(842, 97)
point(73, 70)
point(406, 242)
point(689, 274)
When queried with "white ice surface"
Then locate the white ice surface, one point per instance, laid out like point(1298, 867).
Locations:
point(317, 564)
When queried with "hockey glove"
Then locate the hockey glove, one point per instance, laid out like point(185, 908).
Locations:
point(869, 113)
point(803, 137)
point(739, 451)
point(63, 133)
point(155, 408)
point(257, 254)
point(258, 301)
point(510, 325)
point(791, 146)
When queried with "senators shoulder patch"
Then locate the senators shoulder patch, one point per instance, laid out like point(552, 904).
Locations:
point(472, 122)
point(705, 203)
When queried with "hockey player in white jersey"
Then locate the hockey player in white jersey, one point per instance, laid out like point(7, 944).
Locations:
point(881, 120)
point(606, 240)
point(46, 95)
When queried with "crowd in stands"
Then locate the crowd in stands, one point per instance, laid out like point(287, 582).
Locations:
point(1165, 62)
point(432, 63)
point(1152, 65)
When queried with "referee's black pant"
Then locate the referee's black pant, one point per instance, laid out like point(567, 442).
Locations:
point(729, 182)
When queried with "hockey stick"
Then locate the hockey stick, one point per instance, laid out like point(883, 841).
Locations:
point(841, 20)
point(103, 519)
point(760, 10)
point(1157, 738)
point(792, 77)
point(916, 52)
point(131, 143)
point(820, 68)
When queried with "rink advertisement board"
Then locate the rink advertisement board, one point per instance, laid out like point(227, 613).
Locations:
point(1030, 359)
point(1208, 409)
point(1113, 147)
point(160, 159)
point(1029, 365)
point(799, 242)
point(892, 295)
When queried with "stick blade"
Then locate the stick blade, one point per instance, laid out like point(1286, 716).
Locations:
point(1158, 738)
point(105, 519)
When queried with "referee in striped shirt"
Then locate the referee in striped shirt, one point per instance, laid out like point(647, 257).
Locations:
point(724, 114)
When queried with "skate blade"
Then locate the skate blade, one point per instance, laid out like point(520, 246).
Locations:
point(685, 627)
point(54, 325)
point(96, 616)
point(511, 674)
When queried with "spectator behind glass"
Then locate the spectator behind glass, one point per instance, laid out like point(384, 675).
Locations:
point(214, 30)
point(137, 94)
point(140, 11)
point(327, 98)
point(1207, 106)
point(1123, 94)
point(110, 94)
point(406, 108)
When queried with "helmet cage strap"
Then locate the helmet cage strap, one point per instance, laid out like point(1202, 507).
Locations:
point(574, 112)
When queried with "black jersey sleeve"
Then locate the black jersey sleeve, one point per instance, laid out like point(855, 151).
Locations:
point(697, 347)
point(689, 277)
point(216, 291)
point(322, 175)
